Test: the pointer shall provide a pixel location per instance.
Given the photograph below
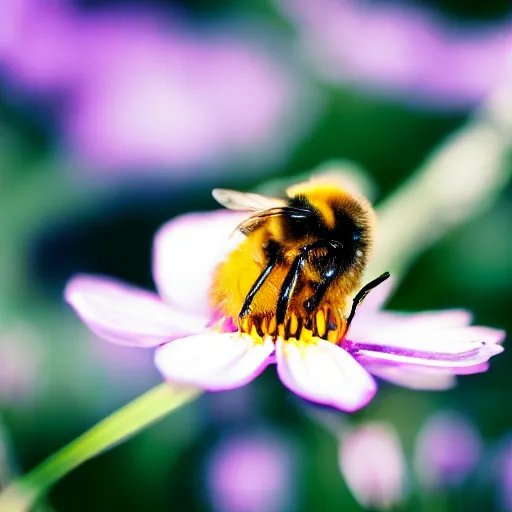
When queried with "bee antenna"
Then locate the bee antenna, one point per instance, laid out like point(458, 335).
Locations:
point(361, 295)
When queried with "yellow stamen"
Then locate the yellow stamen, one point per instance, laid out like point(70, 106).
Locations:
point(254, 333)
point(332, 336)
point(320, 323)
point(327, 324)
point(306, 335)
point(294, 324)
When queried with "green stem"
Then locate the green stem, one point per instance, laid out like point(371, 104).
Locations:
point(127, 421)
point(461, 178)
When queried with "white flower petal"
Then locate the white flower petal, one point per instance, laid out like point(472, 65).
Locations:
point(391, 327)
point(414, 376)
point(186, 251)
point(443, 348)
point(324, 373)
point(214, 361)
point(435, 339)
point(127, 315)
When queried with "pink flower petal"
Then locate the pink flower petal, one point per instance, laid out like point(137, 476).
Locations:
point(324, 373)
point(414, 376)
point(372, 462)
point(448, 348)
point(471, 370)
point(186, 252)
point(214, 361)
point(448, 450)
point(127, 315)
point(386, 325)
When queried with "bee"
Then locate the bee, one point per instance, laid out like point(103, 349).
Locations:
point(301, 260)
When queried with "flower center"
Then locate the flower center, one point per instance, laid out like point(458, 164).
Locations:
point(325, 323)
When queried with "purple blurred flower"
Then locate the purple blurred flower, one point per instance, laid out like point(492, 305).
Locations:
point(504, 477)
point(157, 98)
point(141, 91)
point(447, 450)
point(20, 360)
point(38, 50)
point(372, 462)
point(251, 473)
point(407, 51)
point(405, 348)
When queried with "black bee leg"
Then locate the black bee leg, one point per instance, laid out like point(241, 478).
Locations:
point(272, 252)
point(329, 275)
point(246, 306)
point(312, 303)
point(288, 287)
point(290, 281)
point(362, 293)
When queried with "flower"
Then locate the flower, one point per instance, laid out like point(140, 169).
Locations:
point(424, 350)
point(413, 54)
point(251, 472)
point(139, 92)
point(21, 357)
point(38, 46)
point(157, 95)
point(447, 450)
point(373, 465)
point(504, 476)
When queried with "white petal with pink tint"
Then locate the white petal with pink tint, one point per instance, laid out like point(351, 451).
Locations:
point(324, 373)
point(414, 376)
point(185, 253)
point(471, 370)
point(388, 327)
point(444, 348)
point(127, 315)
point(214, 361)
point(373, 464)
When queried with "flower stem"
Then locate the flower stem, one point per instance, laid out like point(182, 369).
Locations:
point(461, 178)
point(125, 422)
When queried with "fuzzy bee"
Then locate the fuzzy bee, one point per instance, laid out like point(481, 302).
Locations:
point(300, 263)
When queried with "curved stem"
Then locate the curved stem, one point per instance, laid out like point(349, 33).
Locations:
point(125, 422)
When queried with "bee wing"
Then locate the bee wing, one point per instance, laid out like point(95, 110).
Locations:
point(254, 221)
point(247, 202)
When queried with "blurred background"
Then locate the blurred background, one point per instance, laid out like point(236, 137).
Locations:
point(117, 115)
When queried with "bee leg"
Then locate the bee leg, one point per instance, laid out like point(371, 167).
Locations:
point(290, 281)
point(330, 273)
point(288, 287)
point(246, 306)
point(330, 270)
point(273, 257)
point(363, 292)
